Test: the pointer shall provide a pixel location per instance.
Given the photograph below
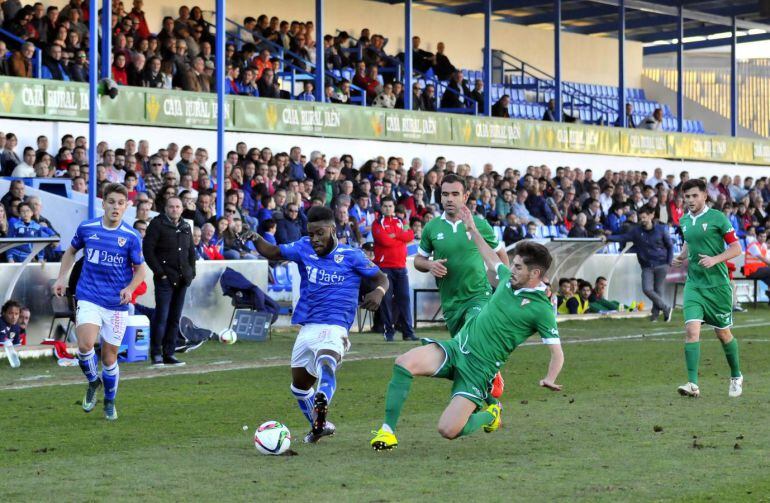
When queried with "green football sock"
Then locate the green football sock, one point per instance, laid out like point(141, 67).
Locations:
point(398, 390)
point(476, 421)
point(731, 353)
point(692, 357)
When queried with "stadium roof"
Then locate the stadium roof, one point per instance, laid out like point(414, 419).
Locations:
point(652, 22)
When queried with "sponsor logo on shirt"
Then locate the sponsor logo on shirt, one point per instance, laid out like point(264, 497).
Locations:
point(524, 302)
point(102, 257)
point(322, 277)
point(704, 226)
point(439, 236)
point(93, 237)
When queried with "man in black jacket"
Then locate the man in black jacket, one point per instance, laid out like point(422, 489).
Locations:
point(455, 99)
point(170, 253)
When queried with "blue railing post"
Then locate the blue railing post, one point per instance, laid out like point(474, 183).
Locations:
point(621, 63)
point(92, 104)
point(487, 105)
point(320, 64)
point(680, 70)
point(38, 63)
point(557, 58)
point(408, 48)
point(734, 79)
point(221, 29)
point(106, 60)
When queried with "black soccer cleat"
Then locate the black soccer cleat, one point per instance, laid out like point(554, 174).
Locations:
point(320, 410)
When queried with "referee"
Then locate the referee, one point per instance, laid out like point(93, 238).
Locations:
point(170, 253)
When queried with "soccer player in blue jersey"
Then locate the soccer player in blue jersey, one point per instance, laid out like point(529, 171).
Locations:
point(112, 269)
point(330, 277)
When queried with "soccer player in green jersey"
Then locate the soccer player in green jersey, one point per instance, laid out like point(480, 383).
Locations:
point(457, 265)
point(708, 296)
point(518, 308)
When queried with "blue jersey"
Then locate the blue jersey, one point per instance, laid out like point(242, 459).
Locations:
point(328, 292)
point(110, 255)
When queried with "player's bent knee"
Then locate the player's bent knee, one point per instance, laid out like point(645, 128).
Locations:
point(449, 431)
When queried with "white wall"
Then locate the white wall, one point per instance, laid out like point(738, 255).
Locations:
point(116, 135)
point(584, 58)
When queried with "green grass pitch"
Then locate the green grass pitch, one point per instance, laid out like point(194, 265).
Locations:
point(617, 432)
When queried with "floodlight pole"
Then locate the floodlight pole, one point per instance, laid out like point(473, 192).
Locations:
point(93, 78)
point(557, 59)
point(106, 38)
point(408, 53)
point(734, 79)
point(488, 58)
point(320, 64)
point(680, 70)
point(623, 120)
point(221, 68)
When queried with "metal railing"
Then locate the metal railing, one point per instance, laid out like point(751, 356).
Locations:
point(38, 57)
point(444, 86)
point(508, 64)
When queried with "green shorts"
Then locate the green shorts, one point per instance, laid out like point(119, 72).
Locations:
point(468, 310)
point(713, 306)
point(470, 379)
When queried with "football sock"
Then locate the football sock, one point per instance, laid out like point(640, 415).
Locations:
point(110, 377)
point(491, 400)
point(692, 357)
point(89, 365)
point(305, 401)
point(476, 421)
point(326, 367)
point(398, 390)
point(731, 353)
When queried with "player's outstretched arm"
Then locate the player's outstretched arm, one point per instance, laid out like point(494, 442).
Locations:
point(554, 367)
point(488, 254)
point(679, 259)
point(373, 299)
point(731, 252)
point(67, 261)
point(128, 291)
point(267, 250)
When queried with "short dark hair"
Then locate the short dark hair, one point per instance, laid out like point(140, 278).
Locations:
point(694, 183)
point(387, 199)
point(320, 214)
point(563, 280)
point(600, 278)
point(534, 255)
point(9, 304)
point(269, 223)
point(452, 178)
point(114, 187)
point(130, 174)
point(137, 222)
point(646, 209)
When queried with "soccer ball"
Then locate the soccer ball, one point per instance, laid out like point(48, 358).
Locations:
point(272, 438)
point(228, 336)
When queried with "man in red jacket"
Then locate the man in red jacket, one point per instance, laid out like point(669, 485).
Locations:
point(391, 236)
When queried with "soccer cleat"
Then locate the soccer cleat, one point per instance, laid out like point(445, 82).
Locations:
point(328, 430)
point(383, 440)
point(667, 314)
point(320, 409)
point(110, 413)
point(736, 387)
point(689, 389)
point(498, 386)
point(89, 401)
point(496, 410)
point(170, 361)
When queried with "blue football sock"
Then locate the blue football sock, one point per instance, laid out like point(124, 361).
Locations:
point(89, 365)
point(305, 401)
point(326, 367)
point(110, 377)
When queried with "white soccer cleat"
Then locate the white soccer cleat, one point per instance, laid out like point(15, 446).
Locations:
point(689, 389)
point(736, 387)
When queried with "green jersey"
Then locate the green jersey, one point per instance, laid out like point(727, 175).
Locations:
point(466, 276)
point(706, 234)
point(508, 319)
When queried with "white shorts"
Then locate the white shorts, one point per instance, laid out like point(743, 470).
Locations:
point(314, 338)
point(112, 323)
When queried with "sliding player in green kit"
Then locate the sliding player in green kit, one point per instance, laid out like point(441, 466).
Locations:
point(708, 296)
point(457, 265)
point(518, 308)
